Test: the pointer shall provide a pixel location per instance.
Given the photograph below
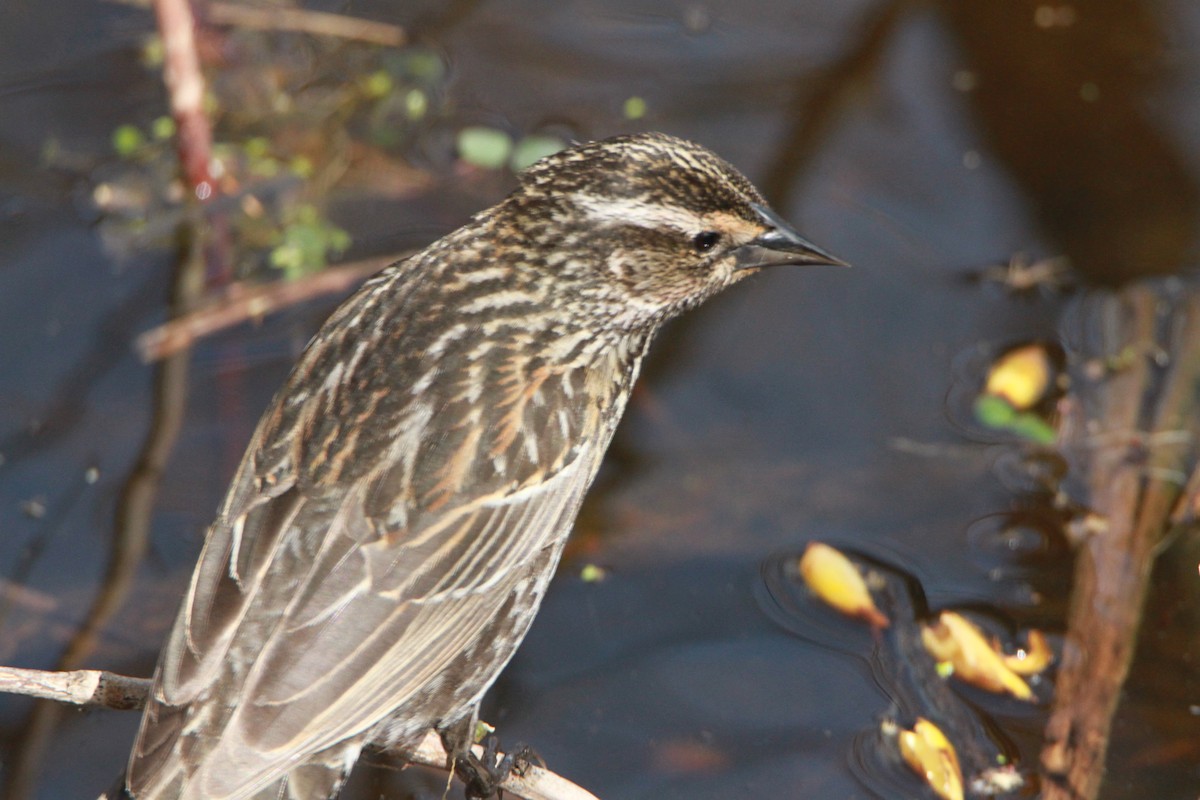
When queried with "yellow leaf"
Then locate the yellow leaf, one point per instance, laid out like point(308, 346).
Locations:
point(956, 640)
point(1032, 659)
point(929, 753)
point(1021, 376)
point(836, 581)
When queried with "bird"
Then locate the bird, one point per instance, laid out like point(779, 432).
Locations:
point(403, 503)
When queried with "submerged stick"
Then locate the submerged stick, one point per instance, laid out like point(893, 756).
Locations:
point(1139, 381)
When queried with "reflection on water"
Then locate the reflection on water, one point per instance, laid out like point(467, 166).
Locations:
point(1023, 552)
point(1063, 94)
point(917, 140)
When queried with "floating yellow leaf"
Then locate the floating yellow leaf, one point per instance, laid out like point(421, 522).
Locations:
point(1032, 659)
point(1021, 376)
point(833, 578)
point(927, 750)
point(955, 640)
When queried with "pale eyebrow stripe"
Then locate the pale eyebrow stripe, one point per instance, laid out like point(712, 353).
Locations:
point(630, 211)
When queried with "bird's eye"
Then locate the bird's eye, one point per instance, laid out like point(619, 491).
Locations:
point(705, 241)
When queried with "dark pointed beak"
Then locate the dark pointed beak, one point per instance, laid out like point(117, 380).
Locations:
point(779, 245)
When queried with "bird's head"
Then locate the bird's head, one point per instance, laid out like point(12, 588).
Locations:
point(649, 225)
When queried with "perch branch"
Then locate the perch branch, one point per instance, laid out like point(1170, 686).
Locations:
point(83, 687)
point(96, 688)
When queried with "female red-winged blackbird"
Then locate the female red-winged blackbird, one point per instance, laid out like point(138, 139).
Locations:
point(398, 514)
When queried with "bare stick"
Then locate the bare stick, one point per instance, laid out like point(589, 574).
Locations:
point(240, 302)
point(185, 85)
point(96, 688)
point(318, 23)
point(1135, 499)
point(299, 20)
point(84, 687)
point(535, 783)
point(821, 98)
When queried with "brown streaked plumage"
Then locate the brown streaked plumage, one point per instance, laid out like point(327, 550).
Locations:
point(405, 499)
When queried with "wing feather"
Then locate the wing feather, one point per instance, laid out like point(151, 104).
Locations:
point(345, 654)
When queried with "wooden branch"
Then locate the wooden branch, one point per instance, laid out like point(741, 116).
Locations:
point(1129, 486)
point(240, 302)
point(317, 23)
point(84, 687)
point(96, 688)
point(537, 783)
point(185, 86)
point(821, 96)
point(298, 20)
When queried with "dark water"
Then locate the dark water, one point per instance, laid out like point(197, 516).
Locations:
point(916, 141)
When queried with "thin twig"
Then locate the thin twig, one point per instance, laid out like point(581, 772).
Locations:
point(83, 687)
point(275, 18)
point(240, 302)
point(185, 87)
point(131, 534)
point(535, 783)
point(97, 688)
point(820, 99)
point(317, 23)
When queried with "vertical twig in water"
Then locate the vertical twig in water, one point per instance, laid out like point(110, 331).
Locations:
point(185, 86)
point(818, 101)
point(1133, 484)
point(194, 138)
point(131, 534)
